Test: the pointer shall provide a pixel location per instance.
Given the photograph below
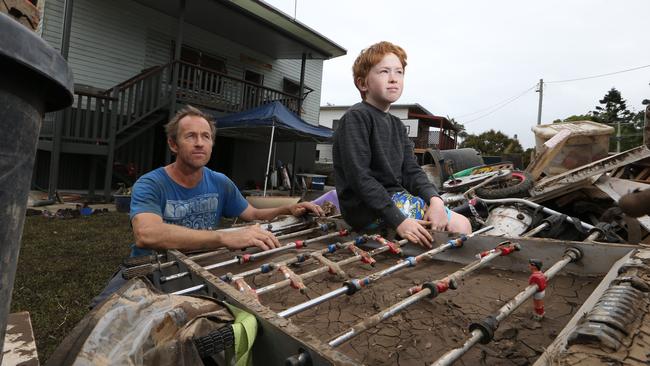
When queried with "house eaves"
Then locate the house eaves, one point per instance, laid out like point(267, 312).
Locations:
point(254, 24)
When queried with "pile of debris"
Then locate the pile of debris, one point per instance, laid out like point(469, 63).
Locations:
point(579, 199)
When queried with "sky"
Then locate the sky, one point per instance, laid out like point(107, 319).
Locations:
point(479, 61)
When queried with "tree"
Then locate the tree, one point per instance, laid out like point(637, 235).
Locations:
point(613, 109)
point(492, 143)
point(578, 117)
point(462, 133)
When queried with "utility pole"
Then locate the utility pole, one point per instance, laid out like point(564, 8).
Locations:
point(540, 90)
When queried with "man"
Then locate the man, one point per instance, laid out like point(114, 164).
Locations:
point(179, 206)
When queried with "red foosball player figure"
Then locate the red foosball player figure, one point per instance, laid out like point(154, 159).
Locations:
point(538, 278)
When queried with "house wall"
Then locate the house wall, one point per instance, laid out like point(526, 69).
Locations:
point(112, 41)
point(327, 118)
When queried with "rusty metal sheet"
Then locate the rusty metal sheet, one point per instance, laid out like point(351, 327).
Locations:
point(615, 188)
point(562, 181)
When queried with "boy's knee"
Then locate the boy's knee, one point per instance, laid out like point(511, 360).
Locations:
point(459, 224)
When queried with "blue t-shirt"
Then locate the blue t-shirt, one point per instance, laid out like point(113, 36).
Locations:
point(200, 207)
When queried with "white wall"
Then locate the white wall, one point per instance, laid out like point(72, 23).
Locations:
point(328, 115)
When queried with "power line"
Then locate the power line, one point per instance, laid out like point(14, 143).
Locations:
point(496, 109)
point(494, 105)
point(597, 76)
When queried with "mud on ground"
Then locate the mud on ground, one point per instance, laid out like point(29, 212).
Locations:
point(426, 330)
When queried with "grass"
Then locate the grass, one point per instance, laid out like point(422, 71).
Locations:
point(62, 265)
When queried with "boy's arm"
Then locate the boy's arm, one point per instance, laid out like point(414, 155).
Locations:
point(353, 139)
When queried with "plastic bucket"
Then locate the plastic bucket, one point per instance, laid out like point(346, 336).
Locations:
point(34, 79)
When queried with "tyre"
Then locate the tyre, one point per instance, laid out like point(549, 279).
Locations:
point(516, 187)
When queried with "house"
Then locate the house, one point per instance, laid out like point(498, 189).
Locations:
point(425, 129)
point(136, 62)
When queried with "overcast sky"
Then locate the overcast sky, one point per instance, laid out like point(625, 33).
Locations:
point(466, 56)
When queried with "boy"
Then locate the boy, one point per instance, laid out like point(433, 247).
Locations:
point(377, 176)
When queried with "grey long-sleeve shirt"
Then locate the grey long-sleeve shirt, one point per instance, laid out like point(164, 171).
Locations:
point(373, 159)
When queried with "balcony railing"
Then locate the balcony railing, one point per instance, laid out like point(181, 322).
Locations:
point(216, 90)
point(88, 120)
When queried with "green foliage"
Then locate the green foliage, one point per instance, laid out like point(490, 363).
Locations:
point(462, 133)
point(577, 117)
point(631, 133)
point(613, 108)
point(528, 156)
point(492, 143)
point(62, 265)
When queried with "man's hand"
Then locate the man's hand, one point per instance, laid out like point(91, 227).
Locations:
point(414, 232)
point(250, 236)
point(436, 214)
point(301, 208)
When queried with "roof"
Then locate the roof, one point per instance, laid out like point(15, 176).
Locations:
point(254, 24)
point(415, 111)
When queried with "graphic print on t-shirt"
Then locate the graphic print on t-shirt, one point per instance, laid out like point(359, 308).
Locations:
point(199, 212)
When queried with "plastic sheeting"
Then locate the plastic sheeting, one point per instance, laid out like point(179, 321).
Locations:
point(140, 326)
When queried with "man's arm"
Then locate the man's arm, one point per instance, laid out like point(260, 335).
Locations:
point(152, 233)
point(251, 213)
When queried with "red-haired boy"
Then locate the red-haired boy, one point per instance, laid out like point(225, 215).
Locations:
point(377, 175)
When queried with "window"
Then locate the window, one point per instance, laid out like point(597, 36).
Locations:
point(198, 57)
point(291, 87)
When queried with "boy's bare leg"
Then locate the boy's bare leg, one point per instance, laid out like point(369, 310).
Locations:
point(459, 224)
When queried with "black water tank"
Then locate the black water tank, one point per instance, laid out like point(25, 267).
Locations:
point(34, 79)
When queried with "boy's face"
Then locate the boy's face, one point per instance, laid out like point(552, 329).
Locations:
point(384, 82)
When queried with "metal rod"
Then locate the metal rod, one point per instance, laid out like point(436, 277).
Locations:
point(427, 290)
point(354, 285)
point(188, 290)
point(303, 257)
point(323, 269)
point(478, 335)
point(148, 268)
point(535, 205)
point(535, 230)
point(268, 161)
point(241, 259)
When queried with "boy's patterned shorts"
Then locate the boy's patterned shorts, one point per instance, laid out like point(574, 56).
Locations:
point(412, 207)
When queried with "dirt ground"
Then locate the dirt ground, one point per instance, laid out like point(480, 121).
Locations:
point(426, 330)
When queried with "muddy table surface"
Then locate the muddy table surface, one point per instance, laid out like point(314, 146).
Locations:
point(424, 331)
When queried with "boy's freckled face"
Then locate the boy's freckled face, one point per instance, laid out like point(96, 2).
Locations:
point(384, 83)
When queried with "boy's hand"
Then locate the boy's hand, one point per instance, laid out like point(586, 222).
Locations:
point(301, 208)
point(249, 237)
point(436, 214)
point(411, 230)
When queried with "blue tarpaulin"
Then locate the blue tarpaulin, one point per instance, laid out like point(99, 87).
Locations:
point(256, 124)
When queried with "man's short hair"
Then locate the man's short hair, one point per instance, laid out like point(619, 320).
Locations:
point(371, 56)
point(171, 128)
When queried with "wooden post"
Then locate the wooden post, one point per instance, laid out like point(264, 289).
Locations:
point(300, 99)
point(92, 178)
point(175, 69)
point(55, 153)
point(110, 154)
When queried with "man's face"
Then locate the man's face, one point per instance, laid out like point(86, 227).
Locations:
point(193, 144)
point(384, 82)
